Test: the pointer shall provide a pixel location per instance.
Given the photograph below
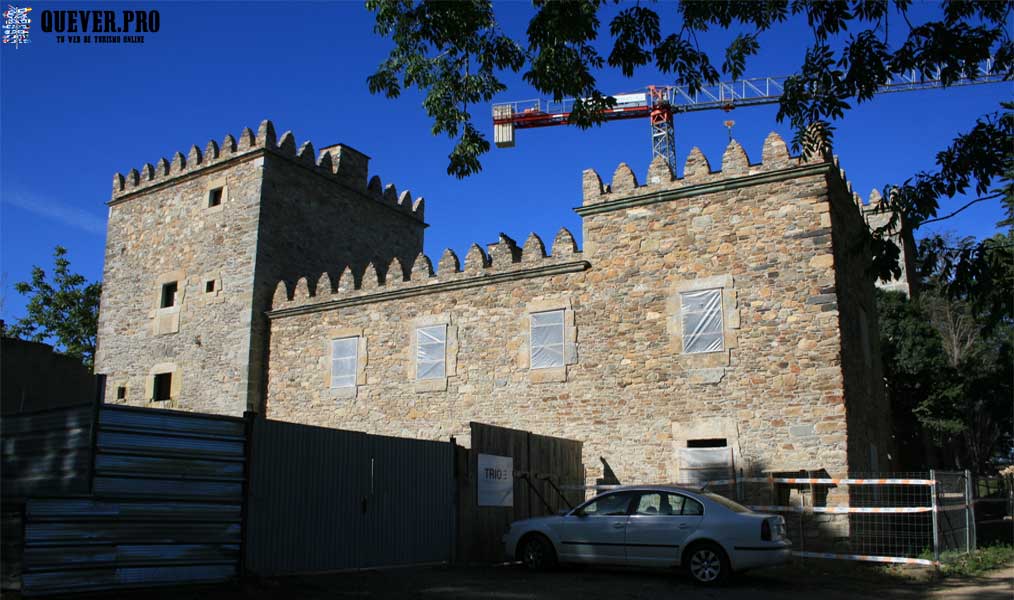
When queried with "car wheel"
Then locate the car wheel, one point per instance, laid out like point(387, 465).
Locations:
point(708, 564)
point(537, 553)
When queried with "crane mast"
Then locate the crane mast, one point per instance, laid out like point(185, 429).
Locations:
point(659, 104)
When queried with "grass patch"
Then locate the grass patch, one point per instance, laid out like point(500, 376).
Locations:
point(977, 562)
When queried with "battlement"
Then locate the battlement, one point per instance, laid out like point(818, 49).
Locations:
point(339, 163)
point(502, 260)
point(696, 171)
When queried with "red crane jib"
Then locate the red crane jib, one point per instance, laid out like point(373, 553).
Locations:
point(537, 118)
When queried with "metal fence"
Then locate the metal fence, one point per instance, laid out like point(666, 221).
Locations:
point(327, 499)
point(165, 507)
point(44, 452)
point(912, 518)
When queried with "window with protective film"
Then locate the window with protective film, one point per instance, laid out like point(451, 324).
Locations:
point(547, 339)
point(431, 352)
point(344, 358)
point(702, 321)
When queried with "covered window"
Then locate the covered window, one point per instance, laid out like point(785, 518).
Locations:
point(547, 339)
point(702, 321)
point(344, 358)
point(430, 352)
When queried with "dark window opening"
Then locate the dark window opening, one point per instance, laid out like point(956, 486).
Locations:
point(163, 387)
point(707, 443)
point(209, 286)
point(169, 294)
point(215, 197)
point(121, 393)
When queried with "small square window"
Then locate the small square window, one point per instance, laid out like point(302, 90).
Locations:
point(702, 321)
point(162, 390)
point(209, 286)
point(215, 197)
point(169, 294)
point(547, 339)
point(430, 352)
point(344, 362)
point(121, 393)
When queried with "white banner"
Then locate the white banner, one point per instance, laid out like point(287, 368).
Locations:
point(496, 480)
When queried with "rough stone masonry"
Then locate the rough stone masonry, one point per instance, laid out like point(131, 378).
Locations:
point(766, 263)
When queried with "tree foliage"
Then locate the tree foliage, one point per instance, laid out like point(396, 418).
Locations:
point(63, 309)
point(457, 54)
point(949, 355)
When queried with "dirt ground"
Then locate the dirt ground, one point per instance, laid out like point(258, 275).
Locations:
point(811, 579)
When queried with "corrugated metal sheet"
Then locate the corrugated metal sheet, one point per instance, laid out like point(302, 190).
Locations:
point(46, 452)
point(166, 507)
point(325, 499)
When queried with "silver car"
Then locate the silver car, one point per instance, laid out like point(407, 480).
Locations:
point(654, 526)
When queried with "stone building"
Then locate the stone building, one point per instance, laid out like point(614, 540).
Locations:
point(727, 309)
point(196, 245)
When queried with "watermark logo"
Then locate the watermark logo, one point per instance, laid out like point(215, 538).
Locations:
point(17, 23)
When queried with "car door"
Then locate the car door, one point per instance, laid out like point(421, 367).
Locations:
point(595, 532)
point(658, 527)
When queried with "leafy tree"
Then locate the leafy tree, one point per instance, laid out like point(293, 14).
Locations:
point(949, 355)
point(64, 310)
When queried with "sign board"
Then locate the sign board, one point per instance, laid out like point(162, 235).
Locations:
point(496, 480)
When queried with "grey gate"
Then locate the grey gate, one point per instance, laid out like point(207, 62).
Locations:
point(326, 499)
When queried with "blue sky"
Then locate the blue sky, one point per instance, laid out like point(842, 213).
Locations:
point(71, 115)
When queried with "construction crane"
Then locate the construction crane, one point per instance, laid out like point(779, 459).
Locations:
point(660, 103)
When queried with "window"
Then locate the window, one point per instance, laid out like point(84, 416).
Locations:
point(169, 291)
point(692, 507)
point(344, 359)
point(215, 197)
point(209, 286)
point(547, 339)
point(659, 503)
point(610, 505)
point(707, 443)
point(162, 390)
point(430, 352)
point(702, 321)
point(121, 393)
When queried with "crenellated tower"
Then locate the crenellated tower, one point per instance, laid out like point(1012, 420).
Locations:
point(196, 245)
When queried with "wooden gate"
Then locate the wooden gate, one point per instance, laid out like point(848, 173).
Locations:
point(543, 466)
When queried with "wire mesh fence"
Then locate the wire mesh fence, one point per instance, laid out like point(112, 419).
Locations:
point(912, 517)
point(900, 517)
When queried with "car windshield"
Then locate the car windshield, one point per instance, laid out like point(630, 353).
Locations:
point(733, 506)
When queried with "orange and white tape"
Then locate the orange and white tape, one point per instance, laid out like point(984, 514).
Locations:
point(844, 509)
point(821, 481)
point(866, 557)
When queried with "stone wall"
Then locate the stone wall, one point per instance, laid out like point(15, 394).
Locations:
point(868, 411)
point(758, 232)
point(280, 212)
